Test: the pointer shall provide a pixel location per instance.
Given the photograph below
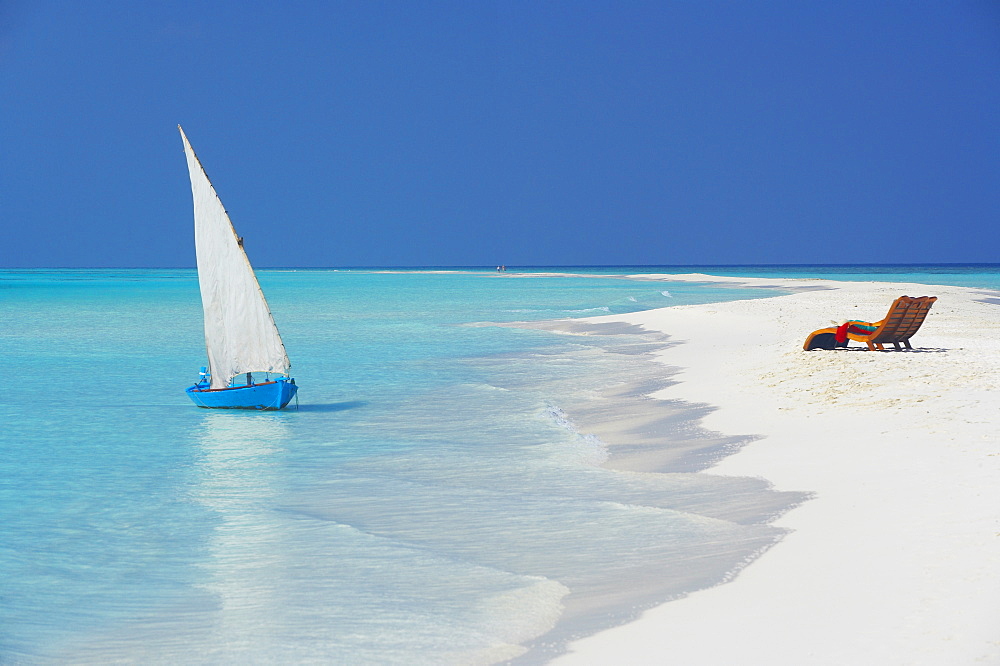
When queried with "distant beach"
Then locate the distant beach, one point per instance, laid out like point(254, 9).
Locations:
point(895, 558)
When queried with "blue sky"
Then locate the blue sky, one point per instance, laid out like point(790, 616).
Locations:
point(526, 133)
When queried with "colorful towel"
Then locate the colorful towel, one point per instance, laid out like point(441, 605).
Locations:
point(856, 327)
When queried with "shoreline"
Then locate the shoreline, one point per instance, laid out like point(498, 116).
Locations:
point(664, 483)
point(896, 558)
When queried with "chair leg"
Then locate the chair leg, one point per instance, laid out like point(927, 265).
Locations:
point(907, 343)
point(896, 345)
point(880, 347)
point(871, 345)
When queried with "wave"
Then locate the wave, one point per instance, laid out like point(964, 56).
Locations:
point(603, 308)
point(593, 449)
point(557, 311)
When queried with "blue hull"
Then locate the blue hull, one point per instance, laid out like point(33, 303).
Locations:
point(267, 395)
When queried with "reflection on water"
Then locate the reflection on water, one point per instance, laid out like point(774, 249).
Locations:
point(229, 544)
point(239, 474)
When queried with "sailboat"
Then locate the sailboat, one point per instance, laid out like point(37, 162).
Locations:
point(241, 337)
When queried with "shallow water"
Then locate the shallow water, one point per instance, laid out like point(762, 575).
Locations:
point(431, 500)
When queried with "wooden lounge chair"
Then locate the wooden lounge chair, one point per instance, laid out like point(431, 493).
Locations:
point(904, 318)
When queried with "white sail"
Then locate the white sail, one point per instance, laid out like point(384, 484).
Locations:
point(240, 334)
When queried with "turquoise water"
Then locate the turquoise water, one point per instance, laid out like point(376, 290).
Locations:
point(429, 502)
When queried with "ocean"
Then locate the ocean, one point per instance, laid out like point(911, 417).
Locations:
point(430, 499)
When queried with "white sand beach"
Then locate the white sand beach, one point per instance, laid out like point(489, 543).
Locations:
point(896, 558)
